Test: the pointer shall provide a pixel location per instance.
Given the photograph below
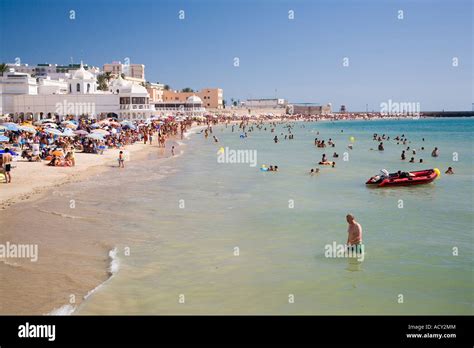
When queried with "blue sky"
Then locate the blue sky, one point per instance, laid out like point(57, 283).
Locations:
point(405, 60)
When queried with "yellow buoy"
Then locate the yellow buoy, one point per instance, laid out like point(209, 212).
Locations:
point(352, 139)
point(438, 173)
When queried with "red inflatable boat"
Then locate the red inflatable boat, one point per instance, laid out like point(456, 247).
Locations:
point(405, 178)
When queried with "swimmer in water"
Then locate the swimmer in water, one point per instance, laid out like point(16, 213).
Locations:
point(435, 152)
point(449, 171)
point(381, 147)
point(412, 160)
point(403, 155)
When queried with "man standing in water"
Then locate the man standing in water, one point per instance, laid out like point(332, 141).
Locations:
point(354, 231)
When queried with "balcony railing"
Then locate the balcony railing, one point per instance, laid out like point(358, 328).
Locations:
point(136, 107)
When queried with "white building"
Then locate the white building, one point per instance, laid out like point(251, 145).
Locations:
point(49, 86)
point(54, 71)
point(24, 96)
point(13, 84)
point(265, 103)
point(133, 99)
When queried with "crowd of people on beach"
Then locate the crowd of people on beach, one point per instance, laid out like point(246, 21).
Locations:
point(56, 142)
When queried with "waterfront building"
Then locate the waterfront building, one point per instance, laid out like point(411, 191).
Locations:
point(212, 98)
point(155, 90)
point(29, 98)
point(274, 103)
point(309, 109)
point(192, 107)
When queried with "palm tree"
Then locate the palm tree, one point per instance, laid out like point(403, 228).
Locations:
point(3, 68)
point(102, 82)
point(108, 76)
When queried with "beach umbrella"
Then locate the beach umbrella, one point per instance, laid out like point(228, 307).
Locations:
point(54, 131)
point(29, 129)
point(68, 132)
point(11, 126)
point(95, 136)
point(95, 125)
point(50, 125)
point(81, 132)
point(4, 139)
point(46, 120)
point(69, 124)
point(100, 131)
point(13, 153)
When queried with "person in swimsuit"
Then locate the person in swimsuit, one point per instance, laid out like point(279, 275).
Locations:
point(121, 160)
point(7, 165)
point(354, 231)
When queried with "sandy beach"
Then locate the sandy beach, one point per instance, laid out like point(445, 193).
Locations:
point(30, 179)
point(85, 263)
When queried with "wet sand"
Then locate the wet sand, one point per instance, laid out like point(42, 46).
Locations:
point(29, 179)
point(67, 269)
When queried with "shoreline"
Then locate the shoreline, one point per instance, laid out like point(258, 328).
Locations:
point(102, 259)
point(24, 189)
point(100, 267)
